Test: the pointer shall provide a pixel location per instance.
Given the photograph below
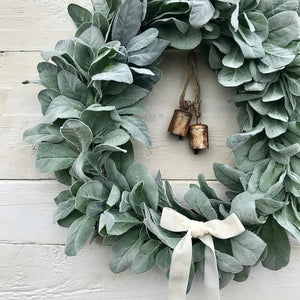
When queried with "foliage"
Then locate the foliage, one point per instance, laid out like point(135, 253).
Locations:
point(94, 87)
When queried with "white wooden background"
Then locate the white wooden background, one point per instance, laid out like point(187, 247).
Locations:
point(32, 260)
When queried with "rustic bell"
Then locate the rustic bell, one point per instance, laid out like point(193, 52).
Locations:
point(180, 122)
point(198, 137)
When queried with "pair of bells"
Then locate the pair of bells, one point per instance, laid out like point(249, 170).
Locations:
point(198, 133)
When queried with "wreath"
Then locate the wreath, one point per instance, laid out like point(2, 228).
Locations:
point(94, 86)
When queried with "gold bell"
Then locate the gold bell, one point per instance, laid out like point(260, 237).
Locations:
point(180, 122)
point(199, 137)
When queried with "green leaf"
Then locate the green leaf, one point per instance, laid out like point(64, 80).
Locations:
point(293, 85)
point(234, 77)
point(40, 133)
point(270, 176)
point(198, 202)
point(161, 191)
point(247, 248)
point(227, 263)
point(92, 37)
point(146, 258)
point(114, 196)
point(149, 54)
point(116, 72)
point(234, 59)
point(63, 197)
point(258, 151)
point(284, 28)
point(287, 219)
point(215, 58)
point(117, 137)
point(79, 14)
point(270, 8)
point(64, 209)
point(83, 55)
point(115, 176)
point(131, 95)
point(137, 128)
point(182, 26)
point(101, 120)
point(45, 98)
point(260, 24)
point(78, 134)
point(251, 47)
point(124, 160)
point(142, 40)
point(127, 21)
point(53, 157)
point(273, 127)
point(208, 191)
point(183, 41)
point(70, 219)
point(202, 11)
point(104, 56)
point(124, 205)
point(102, 6)
point(243, 206)
point(62, 107)
point(176, 204)
point(163, 259)
point(48, 75)
point(88, 193)
point(63, 177)
point(125, 250)
point(243, 275)
point(273, 93)
point(229, 176)
point(71, 87)
point(136, 197)
point(79, 233)
point(267, 206)
point(278, 245)
point(136, 109)
point(101, 22)
point(117, 223)
point(139, 173)
point(168, 238)
point(277, 57)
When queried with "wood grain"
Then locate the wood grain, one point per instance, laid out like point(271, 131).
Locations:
point(35, 25)
point(28, 208)
point(20, 110)
point(33, 265)
point(44, 272)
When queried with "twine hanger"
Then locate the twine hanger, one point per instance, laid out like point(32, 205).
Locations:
point(192, 71)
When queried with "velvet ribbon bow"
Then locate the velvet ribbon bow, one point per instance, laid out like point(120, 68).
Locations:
point(182, 254)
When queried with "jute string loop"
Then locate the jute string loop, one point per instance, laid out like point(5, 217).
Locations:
point(192, 72)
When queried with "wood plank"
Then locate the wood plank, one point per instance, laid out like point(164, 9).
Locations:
point(35, 25)
point(27, 208)
point(20, 110)
point(168, 154)
point(44, 272)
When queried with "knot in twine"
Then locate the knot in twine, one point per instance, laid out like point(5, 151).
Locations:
point(192, 72)
point(186, 105)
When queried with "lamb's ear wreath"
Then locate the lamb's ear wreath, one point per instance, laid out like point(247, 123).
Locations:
point(94, 86)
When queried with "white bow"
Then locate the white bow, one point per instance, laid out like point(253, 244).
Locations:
point(182, 254)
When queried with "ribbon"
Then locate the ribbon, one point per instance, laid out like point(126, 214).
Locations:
point(182, 254)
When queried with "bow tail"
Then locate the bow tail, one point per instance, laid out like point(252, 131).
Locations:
point(211, 274)
point(180, 268)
